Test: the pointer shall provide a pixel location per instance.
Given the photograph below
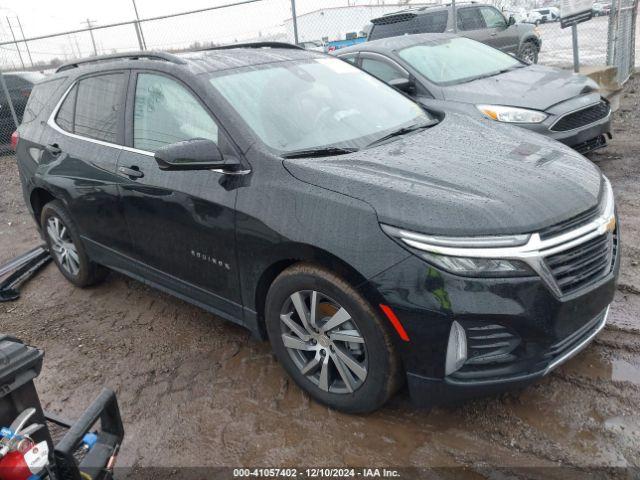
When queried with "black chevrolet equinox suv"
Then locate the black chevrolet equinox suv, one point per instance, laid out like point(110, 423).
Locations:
point(372, 242)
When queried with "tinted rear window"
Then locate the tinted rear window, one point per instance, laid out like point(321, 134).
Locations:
point(99, 107)
point(43, 94)
point(17, 81)
point(395, 25)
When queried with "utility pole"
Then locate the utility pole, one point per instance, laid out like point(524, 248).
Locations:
point(455, 16)
point(295, 21)
point(14, 41)
point(141, 39)
point(26, 44)
point(93, 40)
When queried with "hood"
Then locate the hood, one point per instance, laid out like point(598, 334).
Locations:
point(535, 86)
point(465, 177)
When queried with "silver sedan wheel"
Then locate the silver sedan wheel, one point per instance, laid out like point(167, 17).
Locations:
point(62, 246)
point(324, 342)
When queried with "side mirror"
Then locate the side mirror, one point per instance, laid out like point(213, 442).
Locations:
point(195, 154)
point(403, 84)
point(511, 21)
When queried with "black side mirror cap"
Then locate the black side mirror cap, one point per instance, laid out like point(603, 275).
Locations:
point(405, 85)
point(195, 154)
point(511, 21)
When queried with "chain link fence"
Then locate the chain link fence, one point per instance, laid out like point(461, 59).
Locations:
point(609, 38)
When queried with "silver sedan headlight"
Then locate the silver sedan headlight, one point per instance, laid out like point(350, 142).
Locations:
point(501, 113)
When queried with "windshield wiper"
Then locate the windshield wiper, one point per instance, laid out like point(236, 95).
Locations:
point(319, 152)
point(492, 74)
point(402, 131)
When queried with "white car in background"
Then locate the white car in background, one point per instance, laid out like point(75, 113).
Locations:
point(520, 14)
point(534, 17)
point(548, 14)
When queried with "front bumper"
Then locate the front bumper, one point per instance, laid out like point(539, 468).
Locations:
point(453, 389)
point(583, 138)
point(517, 329)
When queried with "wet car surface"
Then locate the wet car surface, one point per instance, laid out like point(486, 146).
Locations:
point(182, 373)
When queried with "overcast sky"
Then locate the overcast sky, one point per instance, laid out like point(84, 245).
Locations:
point(42, 17)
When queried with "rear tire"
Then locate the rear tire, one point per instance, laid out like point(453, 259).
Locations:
point(66, 248)
point(343, 356)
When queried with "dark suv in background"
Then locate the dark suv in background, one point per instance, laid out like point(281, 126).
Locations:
point(19, 85)
point(370, 240)
point(480, 22)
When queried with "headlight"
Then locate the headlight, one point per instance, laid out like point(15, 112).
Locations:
point(479, 267)
point(501, 113)
point(426, 246)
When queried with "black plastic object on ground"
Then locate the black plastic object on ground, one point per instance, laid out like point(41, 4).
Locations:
point(19, 366)
point(23, 267)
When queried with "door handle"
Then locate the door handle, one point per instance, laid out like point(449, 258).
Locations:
point(53, 149)
point(133, 172)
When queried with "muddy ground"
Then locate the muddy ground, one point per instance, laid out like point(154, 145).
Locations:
point(197, 391)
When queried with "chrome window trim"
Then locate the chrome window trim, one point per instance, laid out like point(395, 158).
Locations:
point(583, 126)
point(532, 252)
point(52, 123)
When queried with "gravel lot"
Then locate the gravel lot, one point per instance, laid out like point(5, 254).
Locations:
point(197, 391)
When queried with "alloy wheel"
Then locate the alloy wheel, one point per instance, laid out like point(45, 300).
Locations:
point(324, 342)
point(62, 246)
point(528, 53)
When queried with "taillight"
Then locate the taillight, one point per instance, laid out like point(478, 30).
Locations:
point(15, 136)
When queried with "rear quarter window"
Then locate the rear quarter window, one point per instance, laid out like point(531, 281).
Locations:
point(393, 26)
point(44, 94)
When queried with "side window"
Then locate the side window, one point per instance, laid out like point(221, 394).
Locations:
point(470, 19)
point(493, 18)
point(99, 106)
point(64, 117)
point(166, 112)
point(435, 22)
point(43, 94)
point(381, 70)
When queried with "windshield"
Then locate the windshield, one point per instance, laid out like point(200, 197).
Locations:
point(457, 60)
point(323, 102)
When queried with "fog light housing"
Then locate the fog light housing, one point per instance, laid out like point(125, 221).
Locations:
point(456, 349)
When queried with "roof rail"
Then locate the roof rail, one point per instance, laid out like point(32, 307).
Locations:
point(167, 57)
point(252, 45)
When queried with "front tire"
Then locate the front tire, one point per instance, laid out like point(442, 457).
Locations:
point(66, 248)
point(331, 341)
point(529, 52)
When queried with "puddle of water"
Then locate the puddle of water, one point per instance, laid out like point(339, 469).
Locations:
point(624, 371)
point(592, 364)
